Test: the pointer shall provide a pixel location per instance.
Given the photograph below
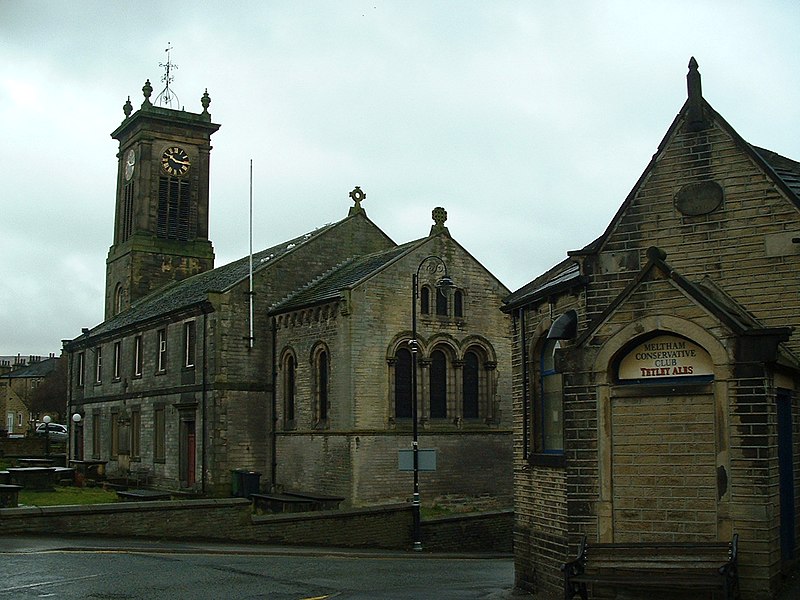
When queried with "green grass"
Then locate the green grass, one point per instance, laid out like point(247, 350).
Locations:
point(65, 496)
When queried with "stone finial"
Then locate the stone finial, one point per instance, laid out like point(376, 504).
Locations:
point(127, 108)
point(694, 88)
point(205, 101)
point(439, 216)
point(357, 196)
point(147, 90)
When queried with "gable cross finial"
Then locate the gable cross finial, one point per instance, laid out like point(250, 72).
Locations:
point(439, 215)
point(166, 97)
point(357, 196)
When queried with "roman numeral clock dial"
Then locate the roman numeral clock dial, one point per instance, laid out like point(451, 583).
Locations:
point(175, 161)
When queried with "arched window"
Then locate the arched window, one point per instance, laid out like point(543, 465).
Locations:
point(471, 386)
point(402, 384)
point(425, 300)
point(322, 383)
point(118, 298)
point(441, 303)
point(289, 390)
point(549, 411)
point(438, 385)
point(458, 303)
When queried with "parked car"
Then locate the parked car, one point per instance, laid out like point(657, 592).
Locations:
point(55, 431)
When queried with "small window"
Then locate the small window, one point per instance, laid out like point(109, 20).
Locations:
point(96, 435)
point(80, 367)
point(114, 435)
point(137, 356)
point(118, 299)
point(117, 359)
point(550, 428)
point(98, 364)
point(159, 434)
point(161, 358)
point(189, 334)
point(458, 303)
point(441, 303)
point(136, 433)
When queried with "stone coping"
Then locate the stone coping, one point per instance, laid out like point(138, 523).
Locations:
point(78, 509)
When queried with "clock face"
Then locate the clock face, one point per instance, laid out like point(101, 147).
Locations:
point(175, 161)
point(130, 163)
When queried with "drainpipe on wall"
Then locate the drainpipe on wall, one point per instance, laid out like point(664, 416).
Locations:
point(524, 352)
point(203, 403)
point(274, 469)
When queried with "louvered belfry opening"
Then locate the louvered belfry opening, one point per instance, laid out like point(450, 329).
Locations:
point(174, 209)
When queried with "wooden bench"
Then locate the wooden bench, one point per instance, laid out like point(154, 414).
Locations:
point(657, 566)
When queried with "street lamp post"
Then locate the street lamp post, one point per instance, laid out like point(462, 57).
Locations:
point(46, 420)
point(444, 283)
point(76, 419)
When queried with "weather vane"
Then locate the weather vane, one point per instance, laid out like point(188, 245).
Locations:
point(166, 96)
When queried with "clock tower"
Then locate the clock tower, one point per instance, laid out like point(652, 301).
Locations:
point(161, 217)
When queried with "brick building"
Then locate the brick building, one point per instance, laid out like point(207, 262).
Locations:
point(181, 377)
point(655, 370)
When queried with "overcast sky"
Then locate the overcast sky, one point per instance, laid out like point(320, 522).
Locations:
point(529, 121)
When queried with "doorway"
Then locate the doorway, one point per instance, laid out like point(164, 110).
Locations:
point(186, 450)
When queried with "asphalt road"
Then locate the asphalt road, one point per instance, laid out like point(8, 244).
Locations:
point(102, 569)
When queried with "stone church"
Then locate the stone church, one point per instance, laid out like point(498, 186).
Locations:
point(656, 370)
point(295, 362)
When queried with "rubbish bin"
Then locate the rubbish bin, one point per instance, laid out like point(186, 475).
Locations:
point(250, 482)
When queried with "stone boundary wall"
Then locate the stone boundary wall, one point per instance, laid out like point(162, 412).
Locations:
point(231, 520)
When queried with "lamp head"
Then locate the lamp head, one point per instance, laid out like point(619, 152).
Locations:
point(445, 283)
point(76, 418)
point(46, 419)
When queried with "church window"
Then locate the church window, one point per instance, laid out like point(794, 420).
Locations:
point(321, 385)
point(438, 385)
point(471, 386)
point(189, 340)
point(402, 384)
point(174, 206)
point(289, 389)
point(425, 300)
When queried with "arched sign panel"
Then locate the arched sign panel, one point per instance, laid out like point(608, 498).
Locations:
point(665, 357)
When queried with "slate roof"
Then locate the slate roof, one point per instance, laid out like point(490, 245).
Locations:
point(786, 169)
point(345, 276)
point(194, 290)
point(42, 368)
point(564, 275)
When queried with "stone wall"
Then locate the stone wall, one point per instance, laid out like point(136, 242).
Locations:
point(231, 520)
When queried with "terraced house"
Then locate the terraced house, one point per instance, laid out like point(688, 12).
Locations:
point(300, 371)
point(656, 370)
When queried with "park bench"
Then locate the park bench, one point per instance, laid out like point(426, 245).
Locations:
point(320, 502)
point(656, 566)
